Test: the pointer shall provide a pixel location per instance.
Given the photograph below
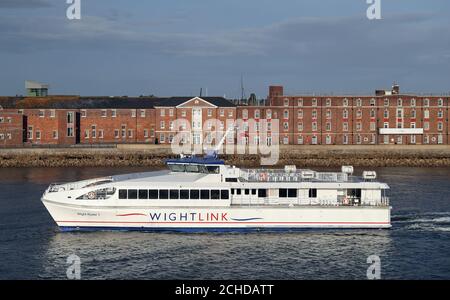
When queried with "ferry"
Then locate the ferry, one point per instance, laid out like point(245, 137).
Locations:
point(204, 194)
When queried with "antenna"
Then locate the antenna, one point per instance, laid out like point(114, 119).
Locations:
point(201, 90)
point(242, 88)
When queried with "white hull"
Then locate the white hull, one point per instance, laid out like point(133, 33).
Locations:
point(79, 217)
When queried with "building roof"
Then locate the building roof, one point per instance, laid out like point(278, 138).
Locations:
point(29, 84)
point(77, 102)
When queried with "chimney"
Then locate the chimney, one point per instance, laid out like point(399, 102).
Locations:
point(274, 91)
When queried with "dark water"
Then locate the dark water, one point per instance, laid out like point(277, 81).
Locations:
point(417, 247)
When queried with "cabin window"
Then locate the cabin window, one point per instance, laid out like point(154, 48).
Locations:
point(231, 180)
point(247, 191)
point(122, 194)
point(184, 194)
point(262, 193)
point(215, 194)
point(213, 169)
point(292, 193)
point(204, 194)
point(224, 194)
point(195, 194)
point(312, 193)
point(132, 194)
point(143, 194)
point(282, 193)
point(153, 194)
point(253, 191)
point(174, 194)
point(238, 191)
point(192, 168)
point(163, 194)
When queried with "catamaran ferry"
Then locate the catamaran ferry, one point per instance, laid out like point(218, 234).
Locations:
point(203, 193)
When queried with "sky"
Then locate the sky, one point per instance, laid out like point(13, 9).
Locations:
point(176, 47)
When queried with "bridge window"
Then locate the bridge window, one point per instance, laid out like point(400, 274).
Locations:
point(312, 193)
point(224, 194)
point(253, 191)
point(132, 194)
point(204, 194)
point(174, 194)
point(184, 194)
point(163, 194)
point(231, 180)
point(215, 194)
point(247, 191)
point(122, 194)
point(153, 194)
point(143, 194)
point(195, 194)
point(292, 193)
point(282, 193)
point(262, 193)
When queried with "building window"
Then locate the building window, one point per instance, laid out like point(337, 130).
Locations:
point(358, 126)
point(124, 131)
point(268, 114)
point(426, 114)
point(162, 124)
point(328, 140)
point(55, 134)
point(328, 126)
point(171, 125)
point(345, 139)
point(386, 125)
point(30, 133)
point(440, 126)
point(133, 113)
point(52, 113)
point(113, 113)
point(222, 113)
point(300, 126)
point(372, 102)
point(345, 102)
point(145, 133)
point(100, 134)
point(286, 102)
point(286, 125)
point(440, 102)
point(171, 112)
point(412, 125)
point(130, 133)
point(358, 102)
point(314, 114)
point(328, 102)
point(440, 114)
point(386, 113)
point(163, 112)
point(359, 114)
point(300, 102)
point(399, 102)
point(345, 114)
point(286, 114)
point(328, 113)
point(162, 138)
point(116, 133)
point(70, 118)
point(83, 113)
point(426, 102)
point(373, 126)
point(300, 114)
point(426, 126)
point(413, 102)
point(230, 113)
point(399, 113)
point(285, 140)
point(38, 134)
point(413, 139)
point(386, 102)
point(103, 113)
point(372, 113)
point(183, 113)
point(210, 113)
point(345, 126)
point(314, 102)
point(413, 113)
point(70, 132)
point(300, 140)
point(314, 126)
point(257, 114)
point(86, 134)
point(94, 131)
point(358, 139)
point(41, 113)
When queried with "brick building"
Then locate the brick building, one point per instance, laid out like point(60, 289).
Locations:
point(387, 117)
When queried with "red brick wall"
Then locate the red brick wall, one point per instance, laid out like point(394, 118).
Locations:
point(11, 128)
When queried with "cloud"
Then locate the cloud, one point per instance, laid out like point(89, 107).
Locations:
point(24, 3)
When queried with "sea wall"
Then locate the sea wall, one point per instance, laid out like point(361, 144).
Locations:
point(302, 156)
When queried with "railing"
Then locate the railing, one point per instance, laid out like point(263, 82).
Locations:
point(279, 175)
